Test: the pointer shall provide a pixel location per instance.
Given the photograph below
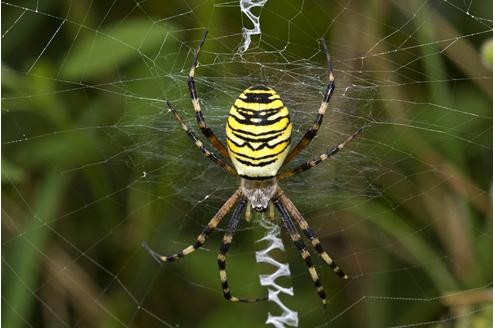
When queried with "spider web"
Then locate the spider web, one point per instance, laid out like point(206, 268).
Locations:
point(94, 164)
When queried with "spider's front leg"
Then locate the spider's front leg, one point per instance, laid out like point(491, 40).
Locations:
point(301, 247)
point(201, 239)
point(308, 232)
point(224, 248)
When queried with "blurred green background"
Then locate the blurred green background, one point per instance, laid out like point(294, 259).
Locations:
point(93, 164)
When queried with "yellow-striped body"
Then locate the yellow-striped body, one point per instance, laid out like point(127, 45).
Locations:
point(258, 133)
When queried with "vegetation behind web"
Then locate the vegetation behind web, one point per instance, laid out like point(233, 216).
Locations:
point(93, 164)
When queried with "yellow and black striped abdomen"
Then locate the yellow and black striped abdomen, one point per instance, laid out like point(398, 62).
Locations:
point(258, 133)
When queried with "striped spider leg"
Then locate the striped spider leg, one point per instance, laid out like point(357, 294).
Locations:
point(208, 133)
point(224, 248)
point(201, 239)
point(323, 157)
point(308, 232)
point(199, 144)
point(258, 132)
point(313, 130)
point(301, 247)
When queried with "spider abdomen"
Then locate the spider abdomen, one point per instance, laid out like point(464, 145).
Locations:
point(258, 133)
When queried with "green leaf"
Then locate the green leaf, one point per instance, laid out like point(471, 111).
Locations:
point(105, 50)
point(12, 172)
point(418, 248)
point(487, 53)
point(25, 258)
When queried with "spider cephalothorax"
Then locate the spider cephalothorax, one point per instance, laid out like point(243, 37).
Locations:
point(259, 192)
point(258, 134)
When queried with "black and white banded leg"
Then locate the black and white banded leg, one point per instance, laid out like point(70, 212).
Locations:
point(308, 232)
point(198, 143)
point(201, 239)
point(224, 248)
point(323, 157)
point(208, 133)
point(313, 130)
point(296, 238)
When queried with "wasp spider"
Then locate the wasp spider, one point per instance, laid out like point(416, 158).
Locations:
point(258, 133)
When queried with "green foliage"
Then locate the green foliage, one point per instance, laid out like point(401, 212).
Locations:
point(102, 51)
point(487, 53)
point(93, 164)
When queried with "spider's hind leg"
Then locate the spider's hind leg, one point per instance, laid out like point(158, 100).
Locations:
point(199, 144)
point(327, 95)
point(205, 129)
point(323, 157)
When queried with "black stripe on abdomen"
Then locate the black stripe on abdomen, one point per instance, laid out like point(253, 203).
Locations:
point(262, 122)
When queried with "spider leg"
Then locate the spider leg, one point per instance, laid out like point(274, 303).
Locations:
point(209, 134)
point(313, 130)
point(227, 167)
point(201, 239)
point(310, 164)
point(303, 225)
point(224, 248)
point(296, 238)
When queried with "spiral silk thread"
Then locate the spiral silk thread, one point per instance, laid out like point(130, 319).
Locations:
point(272, 237)
point(246, 6)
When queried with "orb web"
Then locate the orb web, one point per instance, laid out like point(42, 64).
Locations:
point(94, 164)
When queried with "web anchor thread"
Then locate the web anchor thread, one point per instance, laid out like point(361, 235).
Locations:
point(272, 236)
